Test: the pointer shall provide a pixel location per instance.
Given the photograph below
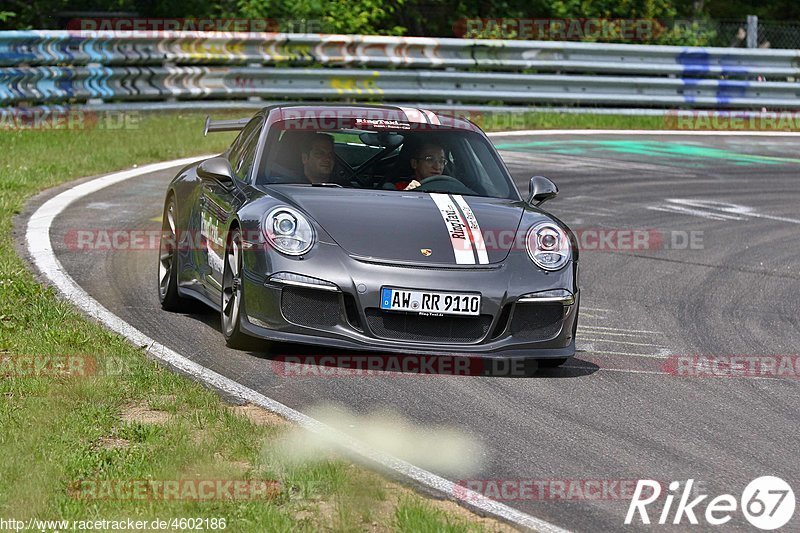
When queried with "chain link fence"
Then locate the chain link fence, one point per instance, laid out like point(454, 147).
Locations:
point(779, 34)
point(730, 33)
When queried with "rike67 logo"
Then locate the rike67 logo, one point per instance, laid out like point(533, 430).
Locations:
point(767, 503)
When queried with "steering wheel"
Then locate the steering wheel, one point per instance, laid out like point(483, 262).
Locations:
point(440, 181)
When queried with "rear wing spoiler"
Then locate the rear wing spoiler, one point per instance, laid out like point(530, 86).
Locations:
point(224, 125)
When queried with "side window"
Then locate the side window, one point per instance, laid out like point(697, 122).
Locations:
point(239, 147)
point(490, 178)
point(245, 162)
point(236, 147)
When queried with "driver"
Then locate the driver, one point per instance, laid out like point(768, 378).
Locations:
point(428, 160)
point(318, 158)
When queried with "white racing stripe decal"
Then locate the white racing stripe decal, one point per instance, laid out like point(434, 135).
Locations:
point(414, 115)
point(474, 229)
point(431, 117)
point(467, 229)
point(456, 228)
point(420, 115)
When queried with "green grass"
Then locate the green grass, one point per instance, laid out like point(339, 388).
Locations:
point(144, 422)
point(556, 121)
point(416, 516)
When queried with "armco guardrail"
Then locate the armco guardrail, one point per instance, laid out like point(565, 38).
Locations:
point(60, 67)
point(43, 84)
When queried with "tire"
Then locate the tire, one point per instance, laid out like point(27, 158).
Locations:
point(168, 262)
point(232, 295)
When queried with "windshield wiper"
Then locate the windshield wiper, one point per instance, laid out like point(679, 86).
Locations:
point(326, 184)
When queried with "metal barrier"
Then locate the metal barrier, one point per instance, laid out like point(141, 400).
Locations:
point(60, 67)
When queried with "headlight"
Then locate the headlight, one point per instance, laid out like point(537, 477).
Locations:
point(548, 246)
point(288, 231)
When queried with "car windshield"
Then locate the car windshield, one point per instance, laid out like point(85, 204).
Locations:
point(442, 160)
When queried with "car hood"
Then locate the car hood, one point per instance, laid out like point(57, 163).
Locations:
point(413, 227)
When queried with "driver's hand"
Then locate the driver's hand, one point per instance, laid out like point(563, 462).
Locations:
point(413, 185)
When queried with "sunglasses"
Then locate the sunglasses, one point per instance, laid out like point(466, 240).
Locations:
point(431, 159)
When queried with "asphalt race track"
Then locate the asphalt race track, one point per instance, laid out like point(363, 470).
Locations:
point(720, 277)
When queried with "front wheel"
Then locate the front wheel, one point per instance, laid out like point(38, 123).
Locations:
point(232, 294)
point(168, 262)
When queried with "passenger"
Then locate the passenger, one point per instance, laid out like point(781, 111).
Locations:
point(318, 158)
point(428, 160)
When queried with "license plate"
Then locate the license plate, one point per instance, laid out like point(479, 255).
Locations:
point(430, 302)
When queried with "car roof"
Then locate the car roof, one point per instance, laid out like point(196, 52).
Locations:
point(413, 115)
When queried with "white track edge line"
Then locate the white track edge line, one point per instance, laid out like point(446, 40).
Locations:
point(43, 256)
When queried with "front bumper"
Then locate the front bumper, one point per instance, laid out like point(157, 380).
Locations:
point(348, 317)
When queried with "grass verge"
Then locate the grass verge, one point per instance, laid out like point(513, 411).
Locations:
point(86, 445)
point(689, 121)
point(501, 121)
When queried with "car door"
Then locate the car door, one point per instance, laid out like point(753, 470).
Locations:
point(219, 202)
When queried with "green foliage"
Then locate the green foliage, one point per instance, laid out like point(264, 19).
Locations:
point(678, 22)
point(620, 9)
point(689, 33)
point(774, 10)
point(638, 21)
point(355, 17)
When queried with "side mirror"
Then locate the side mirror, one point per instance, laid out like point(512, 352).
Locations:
point(216, 168)
point(540, 190)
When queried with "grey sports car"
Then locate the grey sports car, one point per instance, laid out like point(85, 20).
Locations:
point(377, 228)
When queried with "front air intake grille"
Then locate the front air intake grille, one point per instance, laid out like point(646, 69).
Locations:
point(502, 322)
point(351, 311)
point(310, 307)
point(408, 327)
point(536, 322)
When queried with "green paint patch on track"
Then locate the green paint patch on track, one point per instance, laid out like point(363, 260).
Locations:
point(647, 149)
